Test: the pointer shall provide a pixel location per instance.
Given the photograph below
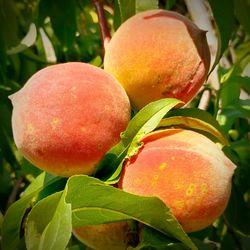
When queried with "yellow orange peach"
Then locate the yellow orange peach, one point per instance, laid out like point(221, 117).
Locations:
point(157, 54)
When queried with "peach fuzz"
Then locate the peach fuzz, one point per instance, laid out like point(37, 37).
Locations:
point(186, 170)
point(105, 236)
point(67, 116)
point(157, 54)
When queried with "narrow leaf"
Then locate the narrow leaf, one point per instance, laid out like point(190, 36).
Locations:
point(195, 119)
point(242, 10)
point(63, 18)
point(143, 5)
point(223, 12)
point(145, 121)
point(230, 91)
point(126, 9)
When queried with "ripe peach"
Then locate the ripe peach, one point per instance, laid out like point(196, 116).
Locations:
point(186, 170)
point(67, 116)
point(105, 236)
point(157, 54)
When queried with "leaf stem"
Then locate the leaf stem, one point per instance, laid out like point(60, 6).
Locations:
point(102, 23)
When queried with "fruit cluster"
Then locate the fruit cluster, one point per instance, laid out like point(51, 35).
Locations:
point(69, 115)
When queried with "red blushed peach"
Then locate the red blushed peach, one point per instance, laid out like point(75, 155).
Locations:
point(157, 54)
point(67, 116)
point(186, 170)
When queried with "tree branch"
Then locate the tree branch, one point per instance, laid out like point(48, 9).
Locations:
point(205, 99)
point(14, 191)
point(102, 23)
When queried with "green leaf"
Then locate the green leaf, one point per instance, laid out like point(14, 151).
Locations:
point(243, 107)
point(63, 18)
point(242, 10)
point(223, 12)
point(227, 74)
point(240, 150)
point(237, 212)
point(143, 5)
point(242, 81)
point(242, 52)
point(48, 224)
point(36, 184)
point(236, 109)
point(9, 23)
point(126, 9)
point(197, 119)
point(94, 202)
point(117, 15)
point(12, 224)
point(12, 234)
point(152, 239)
point(145, 121)
point(169, 4)
point(230, 91)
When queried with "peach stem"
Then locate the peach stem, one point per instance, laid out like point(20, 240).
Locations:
point(102, 23)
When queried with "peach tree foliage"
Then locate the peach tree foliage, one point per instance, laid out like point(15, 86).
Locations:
point(38, 208)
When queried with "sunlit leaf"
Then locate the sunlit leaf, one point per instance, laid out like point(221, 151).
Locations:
point(143, 5)
point(236, 109)
point(48, 224)
point(145, 121)
point(195, 119)
point(94, 202)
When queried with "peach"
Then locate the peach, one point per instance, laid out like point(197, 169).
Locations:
point(67, 116)
point(157, 54)
point(186, 170)
point(105, 236)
